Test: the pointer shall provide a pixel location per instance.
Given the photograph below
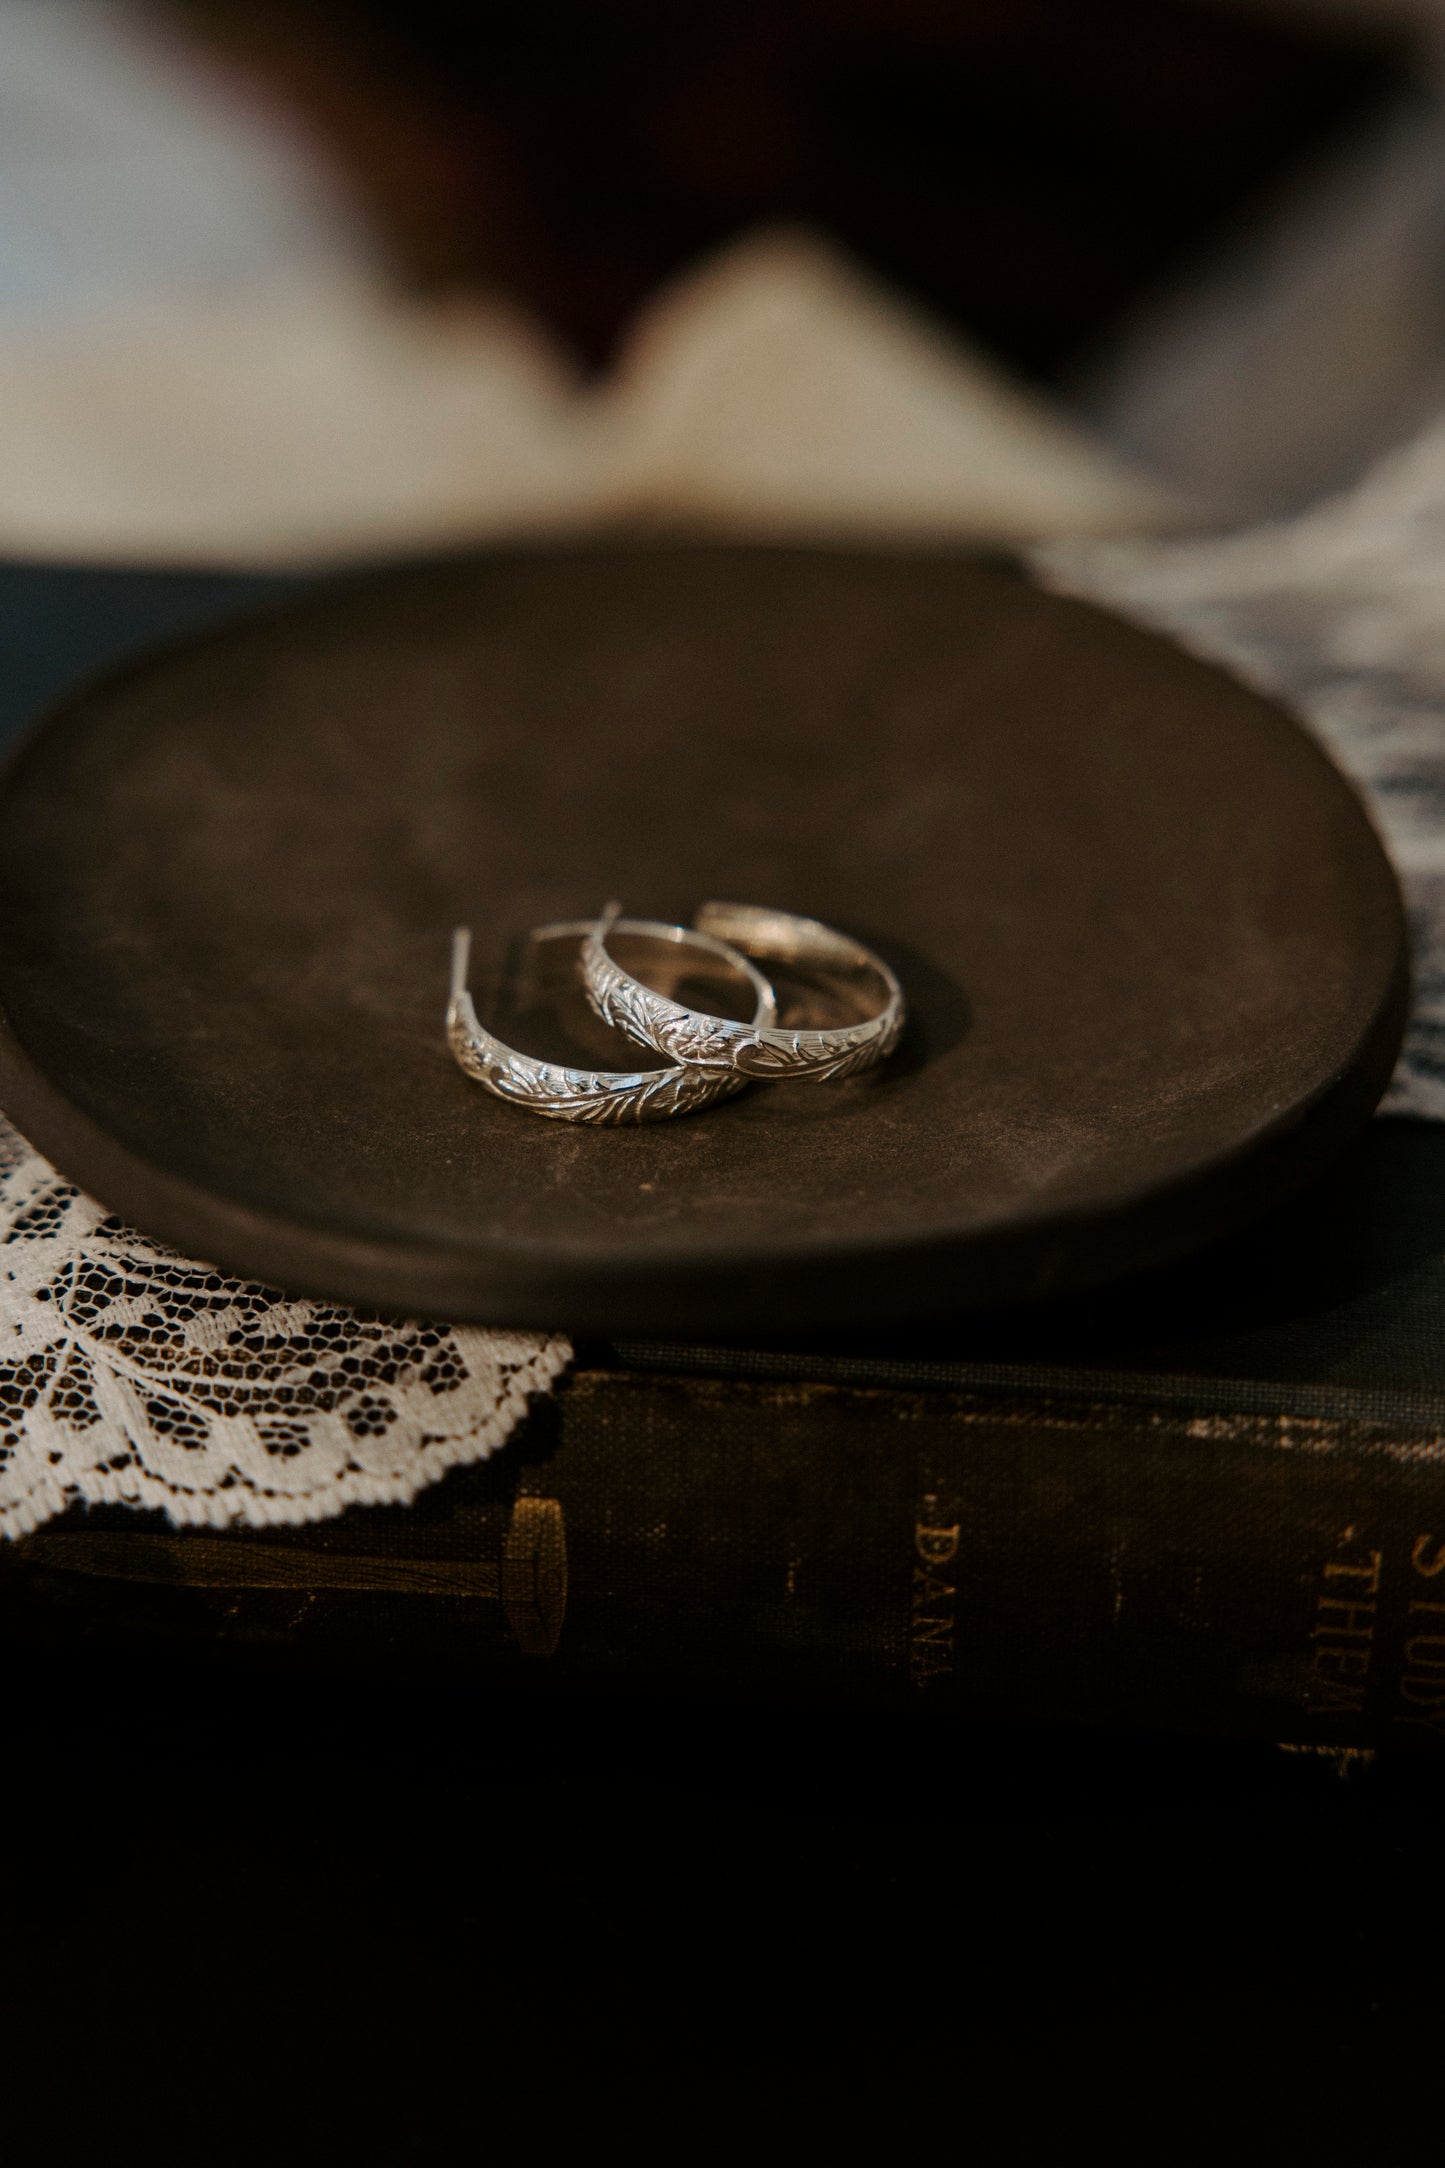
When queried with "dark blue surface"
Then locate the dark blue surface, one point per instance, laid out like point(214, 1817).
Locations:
point(60, 624)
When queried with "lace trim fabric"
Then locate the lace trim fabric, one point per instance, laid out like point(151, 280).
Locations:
point(1339, 610)
point(131, 1375)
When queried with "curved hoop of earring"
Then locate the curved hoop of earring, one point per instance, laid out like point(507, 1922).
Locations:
point(599, 1096)
point(763, 1050)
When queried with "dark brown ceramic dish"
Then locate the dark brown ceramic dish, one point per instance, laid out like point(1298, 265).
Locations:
point(1153, 949)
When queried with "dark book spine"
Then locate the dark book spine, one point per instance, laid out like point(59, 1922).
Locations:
point(1000, 1554)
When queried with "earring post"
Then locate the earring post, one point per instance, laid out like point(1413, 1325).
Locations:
point(461, 960)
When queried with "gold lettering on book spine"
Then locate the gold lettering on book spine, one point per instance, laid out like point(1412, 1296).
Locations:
point(933, 1606)
point(1422, 1677)
point(1342, 1636)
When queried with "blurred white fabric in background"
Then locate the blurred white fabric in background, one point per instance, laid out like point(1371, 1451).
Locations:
point(199, 363)
point(202, 361)
point(317, 421)
point(127, 172)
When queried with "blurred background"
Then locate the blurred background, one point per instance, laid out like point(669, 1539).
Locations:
point(285, 281)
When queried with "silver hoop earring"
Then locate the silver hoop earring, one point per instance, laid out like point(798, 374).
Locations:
point(762, 1050)
point(599, 1096)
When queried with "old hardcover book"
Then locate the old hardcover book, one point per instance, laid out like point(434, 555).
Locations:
point(1213, 1502)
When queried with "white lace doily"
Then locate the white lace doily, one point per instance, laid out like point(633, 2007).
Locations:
point(128, 1374)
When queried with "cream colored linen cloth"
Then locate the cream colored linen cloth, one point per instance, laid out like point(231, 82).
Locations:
point(320, 418)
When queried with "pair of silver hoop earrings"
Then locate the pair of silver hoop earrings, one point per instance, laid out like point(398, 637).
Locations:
point(709, 1057)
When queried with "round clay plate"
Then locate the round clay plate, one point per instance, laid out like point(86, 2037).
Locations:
point(1152, 948)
